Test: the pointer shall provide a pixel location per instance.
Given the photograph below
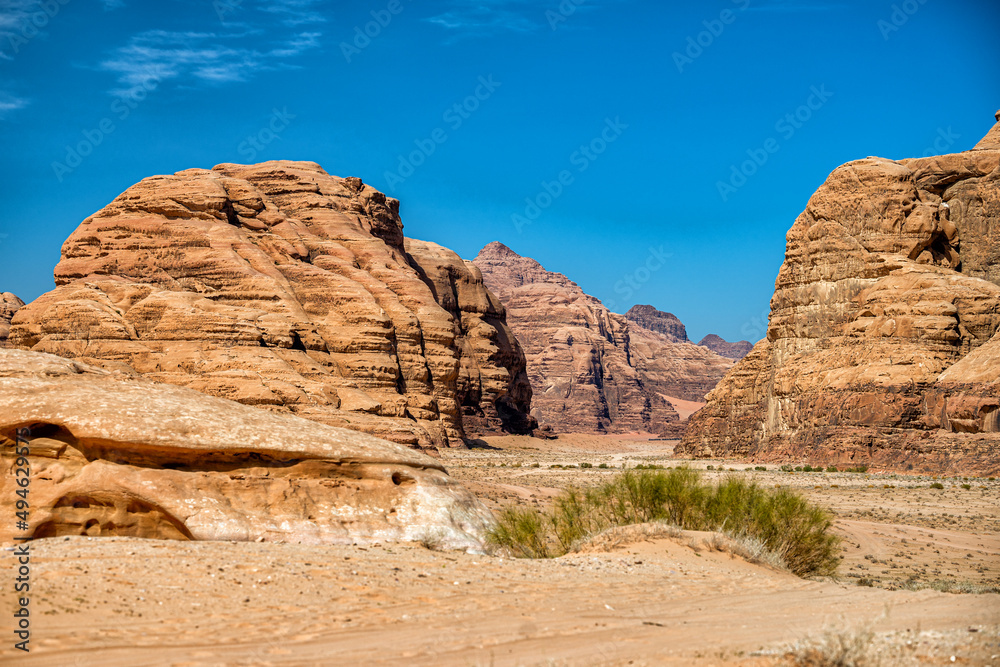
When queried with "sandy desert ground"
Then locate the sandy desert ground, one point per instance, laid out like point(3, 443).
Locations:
point(638, 597)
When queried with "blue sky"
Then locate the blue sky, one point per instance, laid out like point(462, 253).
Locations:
point(597, 136)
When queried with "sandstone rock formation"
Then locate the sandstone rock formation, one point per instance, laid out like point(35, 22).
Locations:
point(592, 370)
point(881, 348)
point(652, 319)
point(9, 304)
point(280, 286)
point(115, 454)
point(720, 346)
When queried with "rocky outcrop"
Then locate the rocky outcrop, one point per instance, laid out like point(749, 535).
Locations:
point(881, 344)
point(279, 286)
point(111, 453)
point(652, 319)
point(9, 304)
point(720, 346)
point(591, 370)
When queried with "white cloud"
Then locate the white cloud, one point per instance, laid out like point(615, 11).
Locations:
point(9, 103)
point(205, 57)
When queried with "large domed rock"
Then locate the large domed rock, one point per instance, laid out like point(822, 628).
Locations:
point(878, 350)
point(280, 286)
point(111, 453)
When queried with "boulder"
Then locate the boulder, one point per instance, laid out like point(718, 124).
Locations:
point(112, 453)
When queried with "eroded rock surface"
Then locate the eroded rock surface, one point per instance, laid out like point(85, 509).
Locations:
point(880, 348)
point(112, 453)
point(9, 304)
point(591, 370)
point(278, 285)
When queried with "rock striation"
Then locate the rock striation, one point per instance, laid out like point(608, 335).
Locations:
point(591, 370)
point(280, 286)
point(9, 304)
point(720, 346)
point(112, 453)
point(882, 343)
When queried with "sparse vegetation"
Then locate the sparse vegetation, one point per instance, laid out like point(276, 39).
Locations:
point(937, 485)
point(851, 648)
point(780, 520)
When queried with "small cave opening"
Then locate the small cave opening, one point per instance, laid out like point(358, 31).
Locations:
point(297, 343)
point(938, 252)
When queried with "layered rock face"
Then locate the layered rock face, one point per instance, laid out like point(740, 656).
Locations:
point(111, 453)
point(881, 346)
point(720, 346)
point(592, 370)
point(9, 304)
point(280, 286)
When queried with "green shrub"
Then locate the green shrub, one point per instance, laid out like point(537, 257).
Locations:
point(586, 465)
point(831, 469)
point(604, 465)
point(780, 519)
point(762, 468)
point(966, 486)
point(937, 485)
point(521, 531)
point(709, 467)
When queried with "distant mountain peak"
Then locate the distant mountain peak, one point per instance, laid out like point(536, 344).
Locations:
point(724, 348)
point(656, 320)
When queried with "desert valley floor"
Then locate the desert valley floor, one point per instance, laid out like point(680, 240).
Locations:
point(637, 596)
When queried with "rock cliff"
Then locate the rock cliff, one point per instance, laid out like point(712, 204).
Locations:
point(280, 286)
point(881, 348)
point(111, 453)
point(591, 370)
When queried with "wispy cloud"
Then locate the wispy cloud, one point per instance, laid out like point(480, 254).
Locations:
point(9, 103)
point(113, 4)
point(201, 57)
point(479, 17)
point(474, 18)
point(294, 12)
